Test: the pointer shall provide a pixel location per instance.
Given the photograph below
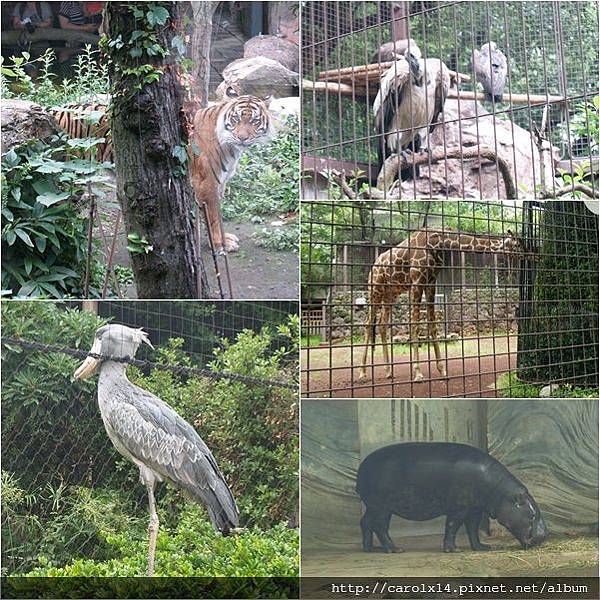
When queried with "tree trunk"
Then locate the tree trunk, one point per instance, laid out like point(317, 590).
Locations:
point(202, 14)
point(148, 132)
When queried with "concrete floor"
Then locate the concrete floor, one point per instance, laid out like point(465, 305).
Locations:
point(575, 557)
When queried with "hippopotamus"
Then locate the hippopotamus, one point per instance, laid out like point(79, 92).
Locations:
point(424, 480)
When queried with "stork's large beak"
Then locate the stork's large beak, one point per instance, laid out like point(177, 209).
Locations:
point(90, 365)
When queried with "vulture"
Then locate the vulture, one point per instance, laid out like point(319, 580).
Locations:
point(408, 105)
point(394, 50)
point(490, 69)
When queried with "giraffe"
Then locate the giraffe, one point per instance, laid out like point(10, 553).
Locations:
point(412, 266)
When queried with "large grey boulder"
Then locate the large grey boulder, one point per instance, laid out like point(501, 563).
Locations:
point(257, 76)
point(22, 120)
point(276, 48)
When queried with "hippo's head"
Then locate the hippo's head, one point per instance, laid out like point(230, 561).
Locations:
point(520, 514)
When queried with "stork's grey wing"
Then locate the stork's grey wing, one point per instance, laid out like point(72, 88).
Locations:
point(155, 435)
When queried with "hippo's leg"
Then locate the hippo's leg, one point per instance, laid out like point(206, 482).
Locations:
point(367, 532)
point(453, 524)
point(381, 525)
point(472, 523)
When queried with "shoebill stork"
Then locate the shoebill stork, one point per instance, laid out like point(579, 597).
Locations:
point(152, 435)
point(408, 105)
point(490, 69)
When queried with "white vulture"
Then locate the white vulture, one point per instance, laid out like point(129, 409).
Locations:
point(408, 106)
point(490, 68)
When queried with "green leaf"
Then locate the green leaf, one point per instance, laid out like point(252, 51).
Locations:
point(135, 52)
point(157, 15)
point(28, 265)
point(180, 153)
point(10, 237)
point(50, 199)
point(178, 43)
point(24, 236)
point(40, 242)
point(11, 158)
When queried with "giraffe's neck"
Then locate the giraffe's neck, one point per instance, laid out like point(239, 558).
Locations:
point(468, 242)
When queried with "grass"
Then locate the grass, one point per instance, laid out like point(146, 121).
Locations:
point(509, 386)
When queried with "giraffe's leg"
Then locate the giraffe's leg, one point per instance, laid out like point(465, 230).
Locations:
point(416, 293)
point(385, 327)
point(432, 329)
point(370, 326)
point(152, 528)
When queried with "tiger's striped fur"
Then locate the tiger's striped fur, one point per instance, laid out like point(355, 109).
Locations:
point(82, 120)
point(221, 133)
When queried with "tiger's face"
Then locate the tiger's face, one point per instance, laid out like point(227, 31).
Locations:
point(245, 121)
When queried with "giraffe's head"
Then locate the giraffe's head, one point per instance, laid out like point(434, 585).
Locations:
point(513, 245)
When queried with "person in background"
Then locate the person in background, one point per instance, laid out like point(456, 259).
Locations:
point(72, 16)
point(30, 15)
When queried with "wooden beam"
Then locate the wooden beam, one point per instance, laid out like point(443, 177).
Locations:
point(530, 99)
point(374, 69)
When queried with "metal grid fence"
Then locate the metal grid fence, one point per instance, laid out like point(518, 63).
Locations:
point(524, 141)
point(65, 487)
point(504, 293)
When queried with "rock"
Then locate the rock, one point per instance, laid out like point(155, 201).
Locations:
point(22, 120)
point(257, 76)
point(474, 178)
point(282, 108)
point(276, 48)
point(548, 390)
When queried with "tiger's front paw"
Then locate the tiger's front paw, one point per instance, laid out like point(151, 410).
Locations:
point(231, 242)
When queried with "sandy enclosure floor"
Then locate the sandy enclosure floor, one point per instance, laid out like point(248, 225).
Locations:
point(472, 366)
point(558, 557)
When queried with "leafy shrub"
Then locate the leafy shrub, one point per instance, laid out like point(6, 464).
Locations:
point(267, 178)
point(44, 238)
point(90, 78)
point(192, 549)
point(558, 325)
point(278, 238)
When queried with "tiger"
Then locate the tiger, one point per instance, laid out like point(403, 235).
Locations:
point(221, 133)
point(85, 120)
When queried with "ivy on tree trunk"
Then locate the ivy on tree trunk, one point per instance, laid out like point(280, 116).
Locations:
point(150, 147)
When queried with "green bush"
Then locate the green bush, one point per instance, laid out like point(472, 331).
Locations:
point(73, 500)
point(90, 78)
point(558, 322)
point(44, 236)
point(267, 178)
point(192, 549)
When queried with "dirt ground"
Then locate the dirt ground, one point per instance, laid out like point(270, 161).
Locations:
point(422, 557)
point(256, 272)
point(472, 367)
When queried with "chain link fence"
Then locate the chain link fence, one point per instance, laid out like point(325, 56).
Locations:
point(436, 299)
point(227, 367)
point(443, 127)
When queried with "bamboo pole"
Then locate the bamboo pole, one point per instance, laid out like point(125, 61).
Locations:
point(333, 87)
point(511, 98)
point(352, 72)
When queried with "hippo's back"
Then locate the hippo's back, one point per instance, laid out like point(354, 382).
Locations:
point(420, 478)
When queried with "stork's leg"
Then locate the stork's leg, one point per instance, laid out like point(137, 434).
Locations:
point(432, 329)
point(416, 292)
point(152, 528)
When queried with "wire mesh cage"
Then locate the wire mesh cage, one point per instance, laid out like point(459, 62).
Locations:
point(435, 298)
point(228, 368)
point(449, 99)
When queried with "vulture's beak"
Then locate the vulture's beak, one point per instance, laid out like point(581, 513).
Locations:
point(90, 365)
